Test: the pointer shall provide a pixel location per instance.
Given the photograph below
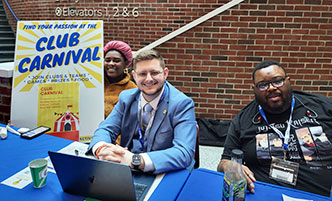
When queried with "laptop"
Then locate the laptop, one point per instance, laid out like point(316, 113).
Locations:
point(104, 180)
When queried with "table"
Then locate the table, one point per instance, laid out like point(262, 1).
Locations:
point(17, 152)
point(204, 184)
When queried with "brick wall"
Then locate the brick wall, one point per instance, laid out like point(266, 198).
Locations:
point(212, 63)
point(5, 96)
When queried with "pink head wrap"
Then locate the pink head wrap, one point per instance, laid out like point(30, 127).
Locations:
point(122, 47)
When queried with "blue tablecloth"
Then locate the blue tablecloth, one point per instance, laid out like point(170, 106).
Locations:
point(17, 152)
point(205, 184)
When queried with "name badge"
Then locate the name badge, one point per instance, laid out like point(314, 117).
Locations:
point(284, 171)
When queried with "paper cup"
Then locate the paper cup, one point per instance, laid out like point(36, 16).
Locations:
point(38, 169)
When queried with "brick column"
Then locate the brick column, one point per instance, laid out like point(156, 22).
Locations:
point(5, 99)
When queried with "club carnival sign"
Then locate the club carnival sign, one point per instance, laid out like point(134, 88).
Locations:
point(58, 77)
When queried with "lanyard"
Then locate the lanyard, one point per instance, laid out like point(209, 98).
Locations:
point(286, 137)
point(140, 132)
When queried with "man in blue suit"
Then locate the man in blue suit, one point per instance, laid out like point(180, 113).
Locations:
point(156, 122)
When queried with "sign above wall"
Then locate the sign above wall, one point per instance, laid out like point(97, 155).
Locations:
point(58, 77)
point(107, 11)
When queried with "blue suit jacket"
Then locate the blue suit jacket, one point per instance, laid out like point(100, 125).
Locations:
point(172, 137)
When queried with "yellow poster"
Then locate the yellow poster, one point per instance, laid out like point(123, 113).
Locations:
point(59, 74)
point(58, 108)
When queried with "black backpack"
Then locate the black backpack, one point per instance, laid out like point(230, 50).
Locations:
point(212, 131)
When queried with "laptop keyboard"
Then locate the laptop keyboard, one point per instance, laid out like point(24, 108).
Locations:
point(139, 190)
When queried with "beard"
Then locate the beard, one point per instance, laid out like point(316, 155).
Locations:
point(285, 103)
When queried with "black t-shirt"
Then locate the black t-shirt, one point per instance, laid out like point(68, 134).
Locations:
point(309, 145)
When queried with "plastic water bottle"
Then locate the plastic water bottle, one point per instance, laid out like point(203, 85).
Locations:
point(235, 184)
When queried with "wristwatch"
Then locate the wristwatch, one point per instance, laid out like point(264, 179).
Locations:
point(136, 161)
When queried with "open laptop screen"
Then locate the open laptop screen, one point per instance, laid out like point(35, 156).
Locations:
point(99, 179)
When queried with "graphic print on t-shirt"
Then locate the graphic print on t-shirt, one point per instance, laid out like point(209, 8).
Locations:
point(276, 147)
point(262, 146)
point(316, 148)
point(307, 143)
point(268, 145)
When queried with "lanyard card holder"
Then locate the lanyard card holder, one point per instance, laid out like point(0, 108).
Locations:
point(284, 171)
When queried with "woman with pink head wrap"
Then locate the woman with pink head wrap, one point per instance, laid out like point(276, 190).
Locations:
point(117, 57)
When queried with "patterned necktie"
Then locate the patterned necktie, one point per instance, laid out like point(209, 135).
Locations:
point(146, 114)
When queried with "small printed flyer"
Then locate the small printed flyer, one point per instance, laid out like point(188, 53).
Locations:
point(58, 77)
point(58, 108)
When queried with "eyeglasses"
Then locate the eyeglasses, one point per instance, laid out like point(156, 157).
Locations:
point(153, 74)
point(263, 86)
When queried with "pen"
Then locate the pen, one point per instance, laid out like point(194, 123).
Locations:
point(10, 129)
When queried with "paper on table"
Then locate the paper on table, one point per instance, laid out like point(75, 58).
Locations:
point(20, 179)
point(287, 198)
point(76, 148)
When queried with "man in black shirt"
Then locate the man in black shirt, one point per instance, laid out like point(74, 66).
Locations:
point(301, 120)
